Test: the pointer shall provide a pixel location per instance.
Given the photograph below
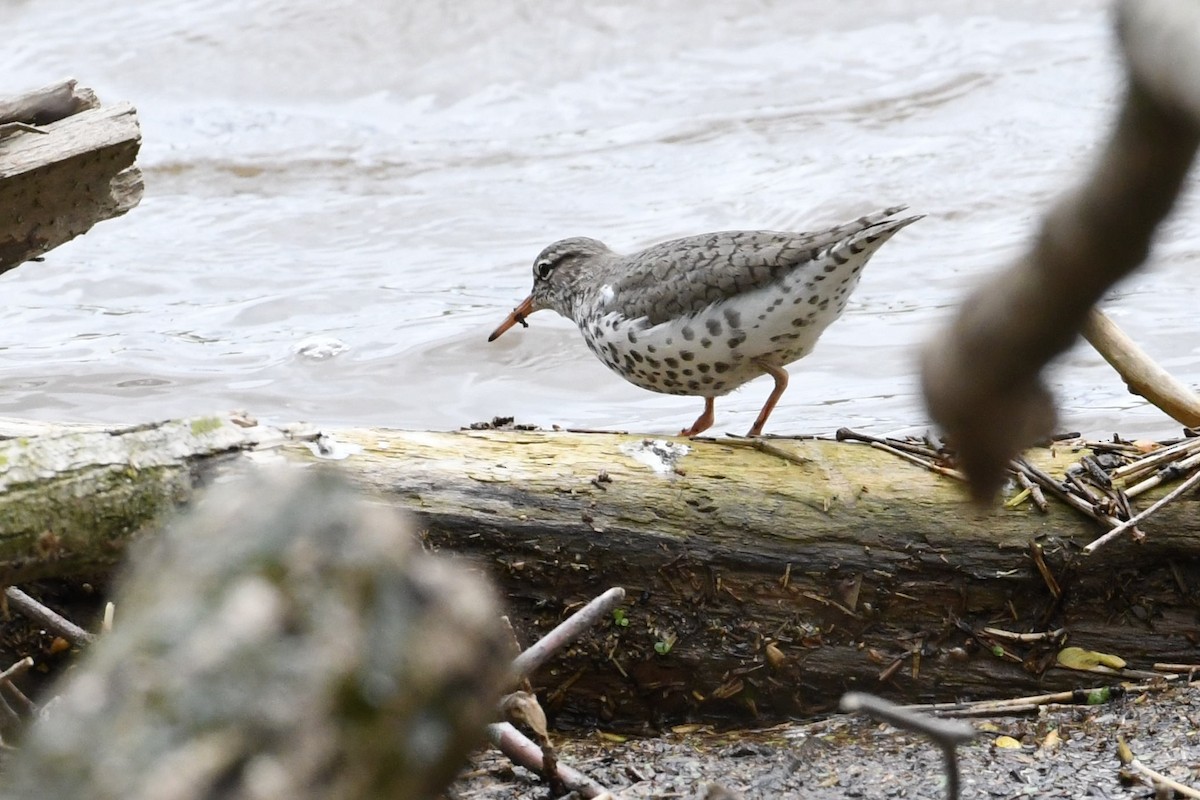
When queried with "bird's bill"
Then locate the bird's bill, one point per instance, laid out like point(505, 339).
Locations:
point(518, 315)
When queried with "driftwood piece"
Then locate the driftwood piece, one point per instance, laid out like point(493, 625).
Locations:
point(48, 104)
point(757, 584)
point(982, 376)
point(288, 639)
point(77, 170)
point(1141, 374)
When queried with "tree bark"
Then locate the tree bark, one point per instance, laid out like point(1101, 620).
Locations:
point(760, 585)
point(65, 164)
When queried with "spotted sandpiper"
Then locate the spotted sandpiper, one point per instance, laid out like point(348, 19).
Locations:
point(705, 314)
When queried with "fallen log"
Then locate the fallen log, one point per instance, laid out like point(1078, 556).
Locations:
point(66, 163)
point(760, 583)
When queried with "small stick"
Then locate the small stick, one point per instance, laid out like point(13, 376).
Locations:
point(763, 446)
point(1167, 473)
point(1000, 633)
point(1039, 560)
point(1070, 499)
point(22, 666)
point(51, 619)
point(1179, 490)
point(1035, 492)
point(921, 462)
point(1124, 448)
point(1082, 489)
point(566, 632)
point(1123, 505)
point(1185, 668)
point(1157, 779)
point(523, 751)
point(1153, 459)
point(1018, 498)
point(19, 668)
point(1098, 475)
point(1093, 696)
point(945, 734)
point(9, 128)
point(847, 435)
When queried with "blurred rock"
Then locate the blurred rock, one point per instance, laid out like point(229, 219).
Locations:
point(287, 639)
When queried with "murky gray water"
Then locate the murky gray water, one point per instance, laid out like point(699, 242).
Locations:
point(379, 177)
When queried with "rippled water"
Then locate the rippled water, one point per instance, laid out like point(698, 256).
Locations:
point(378, 179)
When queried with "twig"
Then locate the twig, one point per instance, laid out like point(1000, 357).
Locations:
point(1141, 373)
point(1093, 696)
point(523, 751)
point(1076, 502)
point(19, 668)
point(847, 435)
point(945, 734)
point(999, 633)
point(1017, 499)
point(1168, 472)
point(1153, 459)
point(1035, 492)
point(909, 452)
point(566, 632)
point(1156, 778)
point(1039, 560)
point(51, 619)
point(763, 446)
point(524, 707)
point(921, 462)
point(1179, 490)
point(1082, 489)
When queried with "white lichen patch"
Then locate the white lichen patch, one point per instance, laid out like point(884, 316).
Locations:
point(329, 448)
point(660, 455)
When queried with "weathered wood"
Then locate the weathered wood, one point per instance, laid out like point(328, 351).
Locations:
point(758, 584)
point(47, 104)
point(55, 184)
point(72, 499)
point(844, 564)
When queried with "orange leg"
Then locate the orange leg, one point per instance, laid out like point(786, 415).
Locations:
point(781, 381)
point(703, 422)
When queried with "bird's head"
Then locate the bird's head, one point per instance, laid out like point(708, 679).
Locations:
point(560, 273)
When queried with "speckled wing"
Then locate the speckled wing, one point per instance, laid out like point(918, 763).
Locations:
point(685, 276)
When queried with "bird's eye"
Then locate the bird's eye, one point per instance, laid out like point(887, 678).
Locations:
point(544, 268)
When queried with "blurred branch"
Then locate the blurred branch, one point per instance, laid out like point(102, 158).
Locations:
point(982, 376)
point(1141, 374)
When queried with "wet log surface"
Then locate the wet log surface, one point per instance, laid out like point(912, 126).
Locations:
point(759, 586)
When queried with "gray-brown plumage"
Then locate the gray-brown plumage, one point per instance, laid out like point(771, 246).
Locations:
point(705, 314)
